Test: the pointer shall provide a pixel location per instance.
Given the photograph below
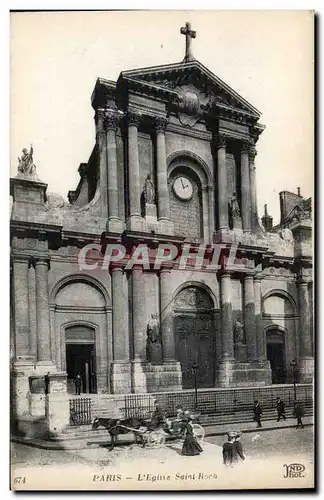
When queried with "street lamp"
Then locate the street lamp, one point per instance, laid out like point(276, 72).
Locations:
point(293, 365)
point(194, 372)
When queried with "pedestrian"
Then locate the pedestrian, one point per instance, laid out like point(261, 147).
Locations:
point(280, 409)
point(190, 446)
point(238, 448)
point(229, 450)
point(158, 417)
point(77, 383)
point(47, 383)
point(257, 410)
point(298, 413)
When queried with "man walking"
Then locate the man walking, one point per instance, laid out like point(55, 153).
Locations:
point(298, 413)
point(280, 409)
point(257, 410)
point(238, 448)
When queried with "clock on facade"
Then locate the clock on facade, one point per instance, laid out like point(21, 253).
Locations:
point(183, 188)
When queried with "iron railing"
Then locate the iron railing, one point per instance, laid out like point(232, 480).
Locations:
point(80, 411)
point(217, 401)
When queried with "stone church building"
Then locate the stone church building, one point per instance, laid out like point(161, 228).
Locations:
point(173, 163)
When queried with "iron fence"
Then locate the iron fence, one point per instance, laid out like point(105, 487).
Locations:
point(217, 401)
point(80, 411)
point(139, 405)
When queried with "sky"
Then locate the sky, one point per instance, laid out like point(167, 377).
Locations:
point(265, 56)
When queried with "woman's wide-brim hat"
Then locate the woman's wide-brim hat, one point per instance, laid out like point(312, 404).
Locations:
point(233, 434)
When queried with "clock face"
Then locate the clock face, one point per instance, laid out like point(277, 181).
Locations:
point(183, 188)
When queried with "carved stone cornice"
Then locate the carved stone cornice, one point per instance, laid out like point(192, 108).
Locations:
point(133, 119)
point(160, 124)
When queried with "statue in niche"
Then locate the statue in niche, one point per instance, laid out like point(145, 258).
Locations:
point(26, 163)
point(149, 194)
point(239, 332)
point(153, 330)
point(235, 211)
point(154, 347)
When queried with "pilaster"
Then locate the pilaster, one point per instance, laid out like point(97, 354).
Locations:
point(245, 186)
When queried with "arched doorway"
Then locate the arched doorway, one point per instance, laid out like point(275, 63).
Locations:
point(81, 358)
point(195, 336)
point(276, 354)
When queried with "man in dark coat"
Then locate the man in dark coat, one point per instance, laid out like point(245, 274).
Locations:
point(280, 409)
point(158, 417)
point(77, 383)
point(47, 383)
point(298, 413)
point(257, 410)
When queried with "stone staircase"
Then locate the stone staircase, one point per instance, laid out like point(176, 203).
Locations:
point(247, 416)
point(84, 432)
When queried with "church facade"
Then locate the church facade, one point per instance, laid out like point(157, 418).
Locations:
point(173, 167)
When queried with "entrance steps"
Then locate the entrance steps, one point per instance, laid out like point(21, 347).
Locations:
point(247, 416)
point(85, 433)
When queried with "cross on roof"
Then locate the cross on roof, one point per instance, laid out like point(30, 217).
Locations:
point(189, 33)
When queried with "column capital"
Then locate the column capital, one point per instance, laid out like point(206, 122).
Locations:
point(99, 115)
point(160, 124)
point(252, 153)
point(225, 274)
point(248, 277)
point(257, 278)
point(132, 118)
point(302, 282)
point(245, 146)
point(111, 121)
point(219, 141)
point(41, 261)
point(116, 266)
point(165, 269)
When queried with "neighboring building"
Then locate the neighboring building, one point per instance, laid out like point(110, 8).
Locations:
point(173, 143)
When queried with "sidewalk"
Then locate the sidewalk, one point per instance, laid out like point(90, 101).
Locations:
point(210, 430)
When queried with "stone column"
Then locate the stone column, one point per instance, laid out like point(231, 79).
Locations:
point(254, 204)
point(260, 343)
point(42, 312)
point(111, 123)
point(21, 311)
point(138, 374)
point(245, 187)
point(120, 368)
point(32, 310)
point(139, 323)
point(220, 146)
point(225, 370)
point(102, 147)
point(162, 173)
point(119, 318)
point(306, 361)
point(168, 347)
point(133, 166)
point(249, 317)
point(226, 318)
point(211, 213)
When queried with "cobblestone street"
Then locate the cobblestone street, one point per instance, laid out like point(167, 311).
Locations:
point(257, 444)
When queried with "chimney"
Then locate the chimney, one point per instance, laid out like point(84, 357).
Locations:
point(267, 220)
point(298, 191)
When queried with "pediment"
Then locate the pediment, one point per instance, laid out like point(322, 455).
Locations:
point(192, 77)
